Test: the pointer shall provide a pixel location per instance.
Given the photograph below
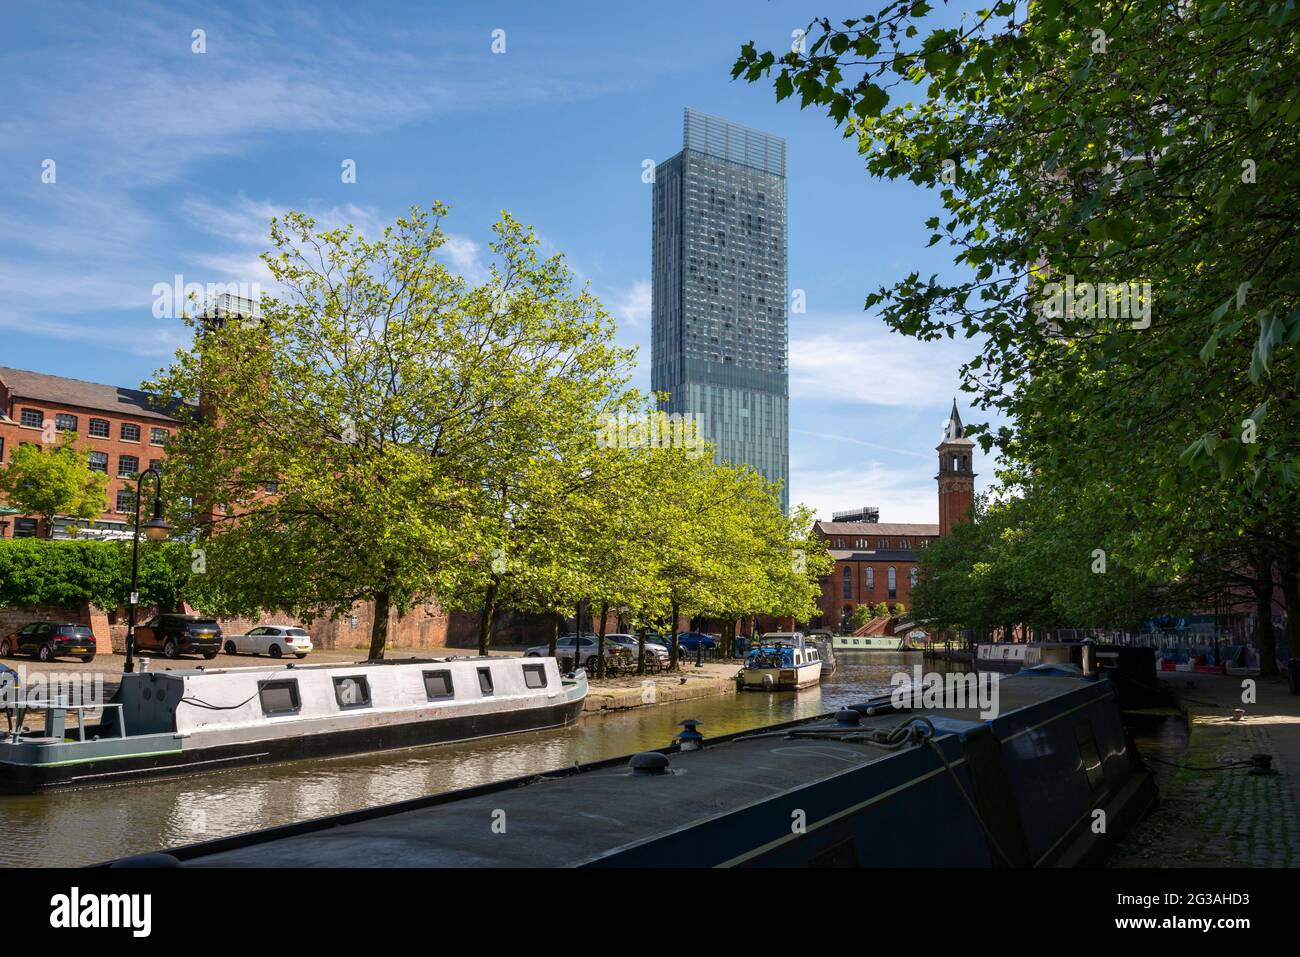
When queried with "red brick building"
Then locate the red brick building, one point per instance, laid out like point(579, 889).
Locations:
point(123, 430)
point(876, 562)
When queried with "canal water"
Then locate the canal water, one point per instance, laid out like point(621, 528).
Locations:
point(68, 828)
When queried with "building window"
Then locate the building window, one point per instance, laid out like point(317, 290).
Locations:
point(155, 464)
point(126, 501)
point(848, 582)
point(485, 680)
point(279, 698)
point(99, 462)
point(99, 428)
point(913, 577)
point(902, 543)
point(270, 488)
point(871, 578)
point(65, 423)
point(24, 528)
point(893, 582)
point(352, 691)
point(32, 418)
point(535, 676)
point(2, 450)
point(158, 436)
point(130, 432)
point(127, 466)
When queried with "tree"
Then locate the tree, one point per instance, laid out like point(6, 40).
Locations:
point(382, 395)
point(1116, 183)
point(49, 481)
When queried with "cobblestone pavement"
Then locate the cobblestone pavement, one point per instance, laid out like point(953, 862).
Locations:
point(1227, 818)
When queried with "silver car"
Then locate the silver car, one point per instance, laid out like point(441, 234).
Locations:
point(653, 650)
point(615, 654)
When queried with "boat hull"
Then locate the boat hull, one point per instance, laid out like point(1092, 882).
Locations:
point(164, 761)
point(782, 679)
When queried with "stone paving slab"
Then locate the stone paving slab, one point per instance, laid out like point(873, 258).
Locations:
point(1229, 817)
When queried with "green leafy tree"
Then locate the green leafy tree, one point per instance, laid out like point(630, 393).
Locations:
point(382, 394)
point(53, 480)
point(1078, 150)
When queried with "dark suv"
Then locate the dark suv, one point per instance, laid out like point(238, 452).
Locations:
point(176, 635)
point(48, 640)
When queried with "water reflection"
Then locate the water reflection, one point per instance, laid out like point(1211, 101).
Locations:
point(86, 826)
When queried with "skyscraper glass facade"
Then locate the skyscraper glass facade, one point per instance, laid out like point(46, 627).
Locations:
point(719, 325)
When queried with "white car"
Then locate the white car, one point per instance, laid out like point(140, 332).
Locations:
point(273, 640)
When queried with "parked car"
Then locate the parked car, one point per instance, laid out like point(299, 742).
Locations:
point(615, 654)
point(273, 640)
point(689, 640)
point(176, 635)
point(48, 640)
point(653, 649)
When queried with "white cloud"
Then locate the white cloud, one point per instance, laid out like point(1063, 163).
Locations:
point(856, 359)
point(903, 495)
point(463, 256)
point(632, 306)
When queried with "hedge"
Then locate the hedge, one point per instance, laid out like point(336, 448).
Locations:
point(36, 571)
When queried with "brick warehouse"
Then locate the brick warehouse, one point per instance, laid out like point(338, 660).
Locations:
point(125, 431)
point(877, 562)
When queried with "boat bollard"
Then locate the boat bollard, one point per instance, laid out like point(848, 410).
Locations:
point(1089, 660)
point(689, 739)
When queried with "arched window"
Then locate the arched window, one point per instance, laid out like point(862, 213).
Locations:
point(913, 576)
point(848, 582)
point(871, 578)
point(893, 582)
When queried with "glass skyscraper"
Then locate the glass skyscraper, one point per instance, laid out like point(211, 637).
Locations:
point(719, 323)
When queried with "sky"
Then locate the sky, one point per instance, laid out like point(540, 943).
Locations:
point(169, 162)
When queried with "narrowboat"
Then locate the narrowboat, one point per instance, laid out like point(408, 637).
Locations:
point(879, 784)
point(782, 661)
point(188, 721)
point(1131, 668)
point(872, 643)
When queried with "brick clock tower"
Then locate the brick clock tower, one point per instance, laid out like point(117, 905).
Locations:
point(956, 476)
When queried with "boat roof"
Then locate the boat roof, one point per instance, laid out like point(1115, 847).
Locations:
point(297, 666)
point(578, 816)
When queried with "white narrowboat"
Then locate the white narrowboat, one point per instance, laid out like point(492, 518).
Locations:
point(187, 721)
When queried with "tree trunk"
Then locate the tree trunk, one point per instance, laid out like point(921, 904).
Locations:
point(379, 628)
point(1264, 628)
point(672, 644)
point(556, 624)
point(640, 651)
point(485, 619)
point(600, 643)
point(1290, 569)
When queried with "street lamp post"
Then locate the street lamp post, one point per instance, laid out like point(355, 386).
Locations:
point(155, 530)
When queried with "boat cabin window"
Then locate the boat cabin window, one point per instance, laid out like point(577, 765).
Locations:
point(1088, 755)
point(437, 684)
point(485, 680)
point(535, 676)
point(352, 691)
point(279, 697)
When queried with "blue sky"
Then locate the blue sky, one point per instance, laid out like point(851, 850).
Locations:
point(170, 162)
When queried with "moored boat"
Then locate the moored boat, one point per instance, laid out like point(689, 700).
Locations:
point(872, 643)
point(188, 721)
point(880, 784)
point(782, 661)
point(1132, 668)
